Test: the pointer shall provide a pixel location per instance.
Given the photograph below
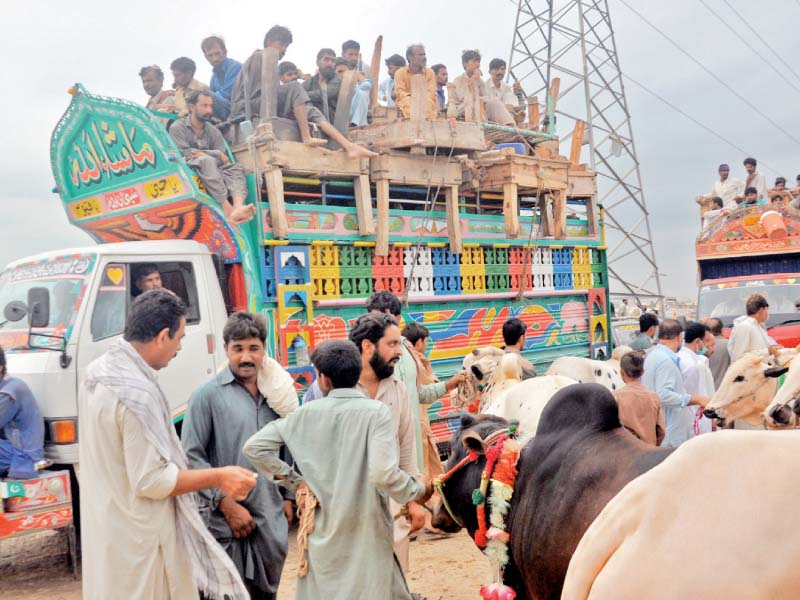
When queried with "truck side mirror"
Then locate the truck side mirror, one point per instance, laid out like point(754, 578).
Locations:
point(15, 311)
point(39, 306)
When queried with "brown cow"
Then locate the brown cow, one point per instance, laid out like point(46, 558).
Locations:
point(580, 458)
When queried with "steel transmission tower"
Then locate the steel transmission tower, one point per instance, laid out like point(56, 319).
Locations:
point(574, 41)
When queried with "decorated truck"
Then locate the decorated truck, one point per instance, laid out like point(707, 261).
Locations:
point(466, 238)
point(752, 250)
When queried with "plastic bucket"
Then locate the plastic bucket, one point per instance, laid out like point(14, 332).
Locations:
point(773, 225)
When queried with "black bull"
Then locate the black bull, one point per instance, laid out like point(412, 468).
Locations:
point(579, 459)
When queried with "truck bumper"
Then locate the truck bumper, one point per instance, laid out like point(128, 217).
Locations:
point(66, 454)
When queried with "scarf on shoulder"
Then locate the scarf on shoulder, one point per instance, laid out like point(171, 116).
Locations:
point(125, 373)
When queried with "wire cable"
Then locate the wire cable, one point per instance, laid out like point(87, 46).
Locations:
point(711, 73)
point(761, 39)
point(743, 39)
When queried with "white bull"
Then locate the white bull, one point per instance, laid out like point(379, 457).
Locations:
point(584, 370)
point(748, 387)
point(782, 411)
point(708, 522)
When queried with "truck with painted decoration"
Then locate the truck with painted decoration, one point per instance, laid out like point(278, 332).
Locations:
point(330, 230)
point(752, 250)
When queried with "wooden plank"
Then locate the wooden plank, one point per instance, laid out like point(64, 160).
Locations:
point(533, 113)
point(555, 87)
point(546, 217)
point(412, 169)
point(343, 103)
point(269, 84)
point(406, 133)
point(453, 218)
point(511, 209)
point(577, 142)
point(419, 97)
point(593, 225)
point(366, 221)
point(382, 225)
point(277, 208)
point(374, 71)
point(298, 158)
point(559, 214)
point(581, 183)
point(452, 110)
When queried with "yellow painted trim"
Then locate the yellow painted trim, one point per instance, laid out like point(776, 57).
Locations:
point(364, 244)
point(402, 244)
point(276, 242)
point(322, 243)
point(302, 180)
point(501, 245)
point(436, 244)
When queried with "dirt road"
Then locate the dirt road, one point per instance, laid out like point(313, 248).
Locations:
point(35, 568)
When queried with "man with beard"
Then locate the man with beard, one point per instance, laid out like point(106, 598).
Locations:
point(378, 339)
point(415, 54)
point(221, 417)
point(323, 88)
point(203, 148)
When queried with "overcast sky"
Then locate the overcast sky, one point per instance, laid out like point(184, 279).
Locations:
point(49, 45)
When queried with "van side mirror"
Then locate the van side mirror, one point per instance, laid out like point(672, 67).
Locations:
point(15, 311)
point(39, 306)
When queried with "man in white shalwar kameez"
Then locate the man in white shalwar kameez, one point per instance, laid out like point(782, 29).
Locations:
point(141, 534)
point(350, 555)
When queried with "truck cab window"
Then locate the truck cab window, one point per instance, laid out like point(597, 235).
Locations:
point(111, 305)
point(177, 277)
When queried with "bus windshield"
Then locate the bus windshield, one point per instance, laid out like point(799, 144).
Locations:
point(64, 277)
point(727, 303)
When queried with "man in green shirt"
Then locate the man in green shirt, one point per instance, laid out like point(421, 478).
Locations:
point(648, 323)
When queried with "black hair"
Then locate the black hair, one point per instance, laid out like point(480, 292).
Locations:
point(286, 66)
point(411, 48)
point(382, 301)
point(695, 331)
point(414, 331)
point(780, 180)
point(340, 61)
point(468, 55)
point(195, 96)
point(144, 270)
point(183, 65)
point(750, 161)
point(669, 329)
point(755, 303)
point(513, 329)
point(496, 63)
point(154, 68)
point(716, 201)
point(244, 325)
point(395, 60)
point(151, 313)
point(212, 40)
point(437, 67)
point(339, 361)
point(776, 197)
point(323, 51)
point(715, 326)
point(646, 321)
point(370, 326)
point(278, 33)
point(750, 190)
point(632, 364)
point(350, 44)
point(2, 362)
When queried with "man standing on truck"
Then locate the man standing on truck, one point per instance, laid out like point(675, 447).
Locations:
point(203, 148)
point(755, 180)
point(21, 427)
point(141, 534)
point(727, 188)
point(222, 415)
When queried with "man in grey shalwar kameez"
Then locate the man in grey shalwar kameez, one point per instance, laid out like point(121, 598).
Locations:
point(345, 446)
point(222, 415)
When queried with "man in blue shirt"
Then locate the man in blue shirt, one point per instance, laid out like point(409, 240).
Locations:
point(386, 88)
point(662, 374)
point(225, 71)
point(21, 427)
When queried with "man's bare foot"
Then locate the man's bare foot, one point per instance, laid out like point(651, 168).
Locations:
point(312, 141)
point(356, 151)
point(241, 214)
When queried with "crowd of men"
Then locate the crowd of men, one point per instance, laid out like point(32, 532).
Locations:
point(673, 371)
point(207, 112)
point(730, 193)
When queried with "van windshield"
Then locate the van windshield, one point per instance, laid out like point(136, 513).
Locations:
point(727, 303)
point(64, 277)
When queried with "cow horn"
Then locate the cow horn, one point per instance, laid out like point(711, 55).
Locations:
point(775, 371)
point(473, 441)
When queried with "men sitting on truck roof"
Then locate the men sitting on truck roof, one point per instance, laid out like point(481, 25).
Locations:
point(153, 84)
point(441, 85)
point(203, 148)
point(224, 73)
point(292, 98)
point(754, 179)
point(716, 211)
point(494, 110)
point(415, 54)
point(386, 88)
point(288, 71)
point(751, 198)
point(728, 188)
point(351, 52)
point(21, 427)
point(323, 88)
point(512, 96)
point(777, 201)
point(146, 277)
point(183, 70)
